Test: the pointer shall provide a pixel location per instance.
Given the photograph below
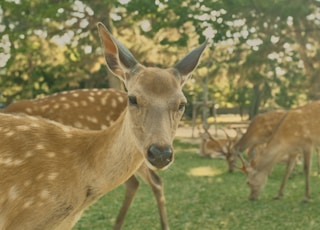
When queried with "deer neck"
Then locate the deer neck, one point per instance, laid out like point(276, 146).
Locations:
point(113, 155)
point(268, 159)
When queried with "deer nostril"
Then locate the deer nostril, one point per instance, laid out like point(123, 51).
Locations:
point(160, 156)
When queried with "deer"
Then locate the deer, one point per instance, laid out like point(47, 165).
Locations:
point(255, 138)
point(298, 131)
point(94, 109)
point(218, 148)
point(50, 173)
point(258, 132)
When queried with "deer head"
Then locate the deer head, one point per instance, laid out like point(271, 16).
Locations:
point(155, 98)
point(255, 180)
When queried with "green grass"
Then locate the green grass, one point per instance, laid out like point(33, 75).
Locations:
point(215, 199)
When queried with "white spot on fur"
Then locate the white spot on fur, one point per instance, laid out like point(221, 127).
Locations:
point(27, 183)
point(91, 99)
point(13, 193)
point(6, 161)
point(66, 106)
point(10, 161)
point(35, 125)
point(40, 146)
point(66, 131)
point(32, 118)
point(92, 119)
point(51, 154)
point(104, 100)
point(52, 176)
point(77, 124)
point(17, 162)
point(75, 104)
point(29, 154)
point(103, 127)
point(120, 99)
point(27, 204)
point(65, 128)
point(44, 194)
point(83, 103)
point(10, 133)
point(23, 128)
point(114, 103)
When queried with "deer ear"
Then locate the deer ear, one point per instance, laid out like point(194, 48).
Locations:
point(118, 58)
point(187, 65)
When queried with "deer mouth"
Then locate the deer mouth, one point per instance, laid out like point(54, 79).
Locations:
point(160, 157)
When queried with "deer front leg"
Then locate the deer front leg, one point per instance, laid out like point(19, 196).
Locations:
point(317, 150)
point(290, 165)
point(306, 168)
point(132, 185)
point(155, 183)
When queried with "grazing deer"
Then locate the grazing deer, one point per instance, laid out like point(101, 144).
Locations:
point(299, 131)
point(259, 132)
point(257, 135)
point(50, 173)
point(218, 148)
point(93, 109)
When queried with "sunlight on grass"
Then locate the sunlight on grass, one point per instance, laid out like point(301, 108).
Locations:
point(204, 171)
point(201, 194)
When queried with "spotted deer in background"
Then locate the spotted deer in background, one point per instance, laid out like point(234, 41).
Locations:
point(50, 173)
point(218, 147)
point(298, 132)
point(94, 109)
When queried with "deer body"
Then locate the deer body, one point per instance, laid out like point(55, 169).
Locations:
point(62, 180)
point(93, 109)
point(50, 173)
point(258, 134)
point(211, 147)
point(259, 131)
point(298, 132)
point(214, 147)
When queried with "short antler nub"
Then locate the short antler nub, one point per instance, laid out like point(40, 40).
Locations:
point(244, 164)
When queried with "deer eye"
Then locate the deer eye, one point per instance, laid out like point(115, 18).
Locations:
point(133, 100)
point(182, 106)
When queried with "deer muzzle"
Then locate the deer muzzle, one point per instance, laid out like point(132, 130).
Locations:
point(160, 156)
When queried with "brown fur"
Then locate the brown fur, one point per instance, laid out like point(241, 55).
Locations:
point(259, 131)
point(218, 148)
point(93, 109)
point(50, 173)
point(298, 132)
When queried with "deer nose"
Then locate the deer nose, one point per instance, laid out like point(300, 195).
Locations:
point(160, 156)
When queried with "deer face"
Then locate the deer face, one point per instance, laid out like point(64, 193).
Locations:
point(256, 182)
point(155, 107)
point(155, 99)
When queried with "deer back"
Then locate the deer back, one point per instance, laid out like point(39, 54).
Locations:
point(92, 109)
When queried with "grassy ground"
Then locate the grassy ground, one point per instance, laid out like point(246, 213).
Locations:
point(201, 194)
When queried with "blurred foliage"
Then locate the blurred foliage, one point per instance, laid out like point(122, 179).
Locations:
point(263, 54)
